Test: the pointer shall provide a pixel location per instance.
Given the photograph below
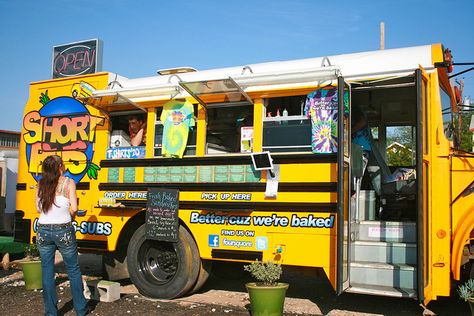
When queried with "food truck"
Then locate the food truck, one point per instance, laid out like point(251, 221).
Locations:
point(257, 162)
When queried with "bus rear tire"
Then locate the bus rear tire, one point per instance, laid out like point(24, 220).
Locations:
point(162, 269)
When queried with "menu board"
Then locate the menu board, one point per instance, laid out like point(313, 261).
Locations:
point(162, 221)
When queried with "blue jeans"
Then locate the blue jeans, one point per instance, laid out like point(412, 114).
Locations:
point(49, 238)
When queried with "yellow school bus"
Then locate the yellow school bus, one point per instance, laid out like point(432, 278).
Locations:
point(265, 169)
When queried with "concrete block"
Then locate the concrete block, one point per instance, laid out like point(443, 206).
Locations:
point(101, 290)
point(109, 291)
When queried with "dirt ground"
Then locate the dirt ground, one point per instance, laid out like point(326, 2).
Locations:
point(307, 295)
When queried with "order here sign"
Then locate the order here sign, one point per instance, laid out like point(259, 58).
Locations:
point(78, 58)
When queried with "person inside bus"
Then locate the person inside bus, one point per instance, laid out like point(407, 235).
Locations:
point(380, 173)
point(360, 130)
point(361, 134)
point(56, 202)
point(137, 130)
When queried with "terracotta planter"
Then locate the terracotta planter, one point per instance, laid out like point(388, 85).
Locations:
point(267, 300)
point(32, 274)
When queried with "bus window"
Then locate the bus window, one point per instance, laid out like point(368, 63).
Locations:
point(119, 136)
point(447, 114)
point(158, 139)
point(285, 127)
point(401, 146)
point(224, 126)
point(457, 124)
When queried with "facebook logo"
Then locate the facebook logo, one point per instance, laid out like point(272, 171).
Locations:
point(261, 243)
point(213, 240)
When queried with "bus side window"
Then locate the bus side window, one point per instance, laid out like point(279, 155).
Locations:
point(224, 129)
point(285, 126)
point(158, 137)
point(119, 136)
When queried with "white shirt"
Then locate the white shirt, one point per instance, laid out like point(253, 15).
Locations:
point(59, 211)
point(57, 214)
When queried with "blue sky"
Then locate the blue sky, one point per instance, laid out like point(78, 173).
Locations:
point(143, 36)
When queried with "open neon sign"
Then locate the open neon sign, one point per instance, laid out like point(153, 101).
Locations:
point(77, 58)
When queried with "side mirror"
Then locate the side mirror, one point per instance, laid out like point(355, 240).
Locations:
point(449, 130)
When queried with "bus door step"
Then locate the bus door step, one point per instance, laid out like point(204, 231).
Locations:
point(381, 290)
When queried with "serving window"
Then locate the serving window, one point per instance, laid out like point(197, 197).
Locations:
point(190, 148)
point(122, 125)
point(229, 129)
point(119, 126)
point(285, 125)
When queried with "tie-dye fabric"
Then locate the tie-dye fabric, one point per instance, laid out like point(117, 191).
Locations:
point(177, 118)
point(321, 107)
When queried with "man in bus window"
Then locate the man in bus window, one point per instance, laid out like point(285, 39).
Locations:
point(137, 130)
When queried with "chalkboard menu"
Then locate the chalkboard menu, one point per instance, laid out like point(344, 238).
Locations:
point(162, 214)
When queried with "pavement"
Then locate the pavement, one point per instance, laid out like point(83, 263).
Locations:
point(217, 291)
point(309, 294)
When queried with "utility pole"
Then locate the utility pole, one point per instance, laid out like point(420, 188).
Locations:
point(382, 35)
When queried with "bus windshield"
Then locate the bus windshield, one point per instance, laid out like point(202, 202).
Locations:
point(457, 124)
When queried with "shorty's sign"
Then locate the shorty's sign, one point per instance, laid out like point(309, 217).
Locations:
point(62, 126)
point(77, 58)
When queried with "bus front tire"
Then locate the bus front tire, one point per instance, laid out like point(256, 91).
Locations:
point(162, 269)
point(204, 273)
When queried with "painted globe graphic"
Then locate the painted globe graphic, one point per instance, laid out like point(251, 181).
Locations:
point(65, 107)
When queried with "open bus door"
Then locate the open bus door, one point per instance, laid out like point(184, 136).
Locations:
point(423, 164)
point(343, 187)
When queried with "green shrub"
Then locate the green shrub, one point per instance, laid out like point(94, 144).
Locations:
point(267, 273)
point(31, 251)
point(466, 291)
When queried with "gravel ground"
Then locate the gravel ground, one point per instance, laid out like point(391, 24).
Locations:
point(307, 295)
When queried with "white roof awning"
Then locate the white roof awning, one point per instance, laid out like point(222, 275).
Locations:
point(233, 84)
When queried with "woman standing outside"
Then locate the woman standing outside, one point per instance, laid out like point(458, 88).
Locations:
point(57, 202)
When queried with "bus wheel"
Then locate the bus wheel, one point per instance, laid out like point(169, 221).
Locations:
point(162, 269)
point(204, 272)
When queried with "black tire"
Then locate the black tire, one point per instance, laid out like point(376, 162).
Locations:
point(162, 269)
point(204, 272)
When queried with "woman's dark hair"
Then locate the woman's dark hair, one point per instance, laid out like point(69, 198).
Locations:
point(48, 182)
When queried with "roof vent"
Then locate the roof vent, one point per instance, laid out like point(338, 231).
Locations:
point(178, 70)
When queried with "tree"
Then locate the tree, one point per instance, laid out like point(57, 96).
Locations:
point(466, 135)
point(400, 155)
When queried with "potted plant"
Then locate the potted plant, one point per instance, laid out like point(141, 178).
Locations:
point(31, 266)
point(466, 292)
point(267, 295)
